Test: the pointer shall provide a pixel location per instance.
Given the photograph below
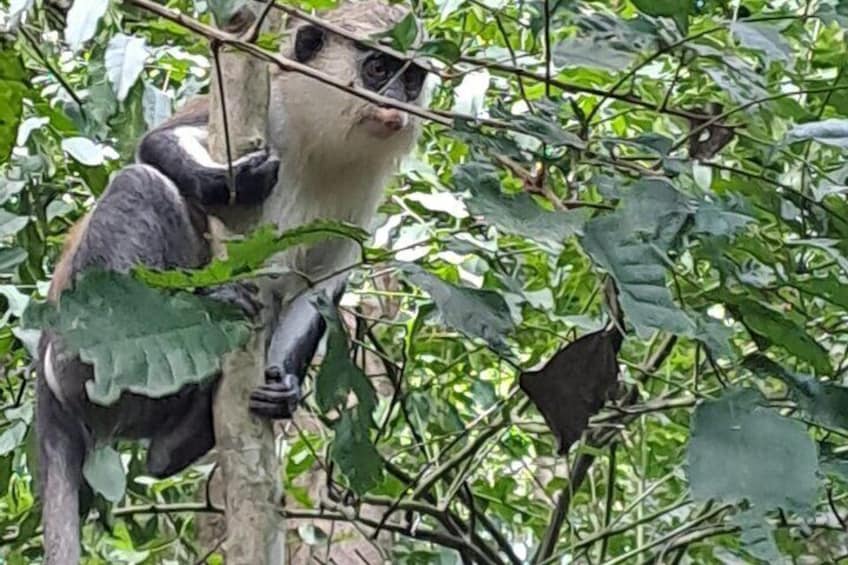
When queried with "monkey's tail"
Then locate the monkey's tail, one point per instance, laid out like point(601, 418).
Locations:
point(61, 452)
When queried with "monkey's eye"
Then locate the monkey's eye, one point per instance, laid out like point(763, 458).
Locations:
point(376, 70)
point(413, 79)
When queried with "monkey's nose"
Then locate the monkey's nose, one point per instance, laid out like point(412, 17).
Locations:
point(391, 118)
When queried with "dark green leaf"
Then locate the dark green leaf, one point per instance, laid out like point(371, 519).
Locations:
point(740, 450)
point(105, 473)
point(179, 340)
point(516, 214)
point(354, 453)
point(477, 313)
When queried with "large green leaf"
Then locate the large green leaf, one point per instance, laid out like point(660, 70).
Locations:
point(139, 339)
point(679, 10)
point(477, 313)
point(339, 375)
point(762, 37)
point(516, 214)
point(631, 243)
point(82, 21)
point(741, 450)
point(125, 57)
point(355, 454)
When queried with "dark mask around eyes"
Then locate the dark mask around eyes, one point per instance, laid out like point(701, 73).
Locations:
point(380, 68)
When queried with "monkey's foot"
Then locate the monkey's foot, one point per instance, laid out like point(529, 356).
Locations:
point(240, 294)
point(278, 398)
point(256, 177)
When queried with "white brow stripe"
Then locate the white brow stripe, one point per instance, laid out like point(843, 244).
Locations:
point(50, 374)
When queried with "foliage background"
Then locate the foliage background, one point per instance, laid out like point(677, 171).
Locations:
point(691, 150)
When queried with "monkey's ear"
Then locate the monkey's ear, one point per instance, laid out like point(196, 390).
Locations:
point(307, 43)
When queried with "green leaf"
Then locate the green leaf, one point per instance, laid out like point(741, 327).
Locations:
point(758, 536)
point(631, 243)
point(223, 10)
point(354, 453)
point(721, 217)
point(833, 131)
point(13, 88)
point(831, 288)
point(83, 150)
point(82, 20)
point(477, 313)
point(12, 437)
point(125, 57)
point(825, 402)
point(11, 258)
point(677, 9)
point(104, 472)
point(592, 53)
point(11, 224)
point(740, 450)
point(442, 49)
point(339, 376)
point(762, 37)
point(516, 214)
point(404, 34)
point(179, 340)
point(156, 105)
point(778, 329)
point(245, 257)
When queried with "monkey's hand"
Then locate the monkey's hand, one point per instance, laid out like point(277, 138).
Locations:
point(256, 176)
point(278, 398)
point(240, 294)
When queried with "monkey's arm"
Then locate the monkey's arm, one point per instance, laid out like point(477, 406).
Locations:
point(179, 152)
point(295, 336)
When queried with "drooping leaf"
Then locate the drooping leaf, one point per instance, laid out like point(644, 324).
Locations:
point(156, 105)
point(832, 131)
point(741, 450)
point(825, 402)
point(574, 384)
point(223, 10)
point(516, 214)
point(125, 57)
point(403, 35)
point(104, 472)
point(355, 454)
point(179, 340)
point(630, 244)
point(82, 20)
point(757, 535)
point(339, 375)
point(477, 313)
point(248, 255)
point(830, 288)
point(442, 49)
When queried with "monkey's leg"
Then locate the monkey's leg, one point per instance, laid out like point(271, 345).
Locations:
point(62, 449)
point(189, 438)
point(295, 336)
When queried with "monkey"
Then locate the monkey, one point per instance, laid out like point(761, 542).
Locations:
point(336, 153)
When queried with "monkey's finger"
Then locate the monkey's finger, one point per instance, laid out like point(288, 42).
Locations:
point(272, 410)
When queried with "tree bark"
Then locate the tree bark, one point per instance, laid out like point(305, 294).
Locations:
point(247, 461)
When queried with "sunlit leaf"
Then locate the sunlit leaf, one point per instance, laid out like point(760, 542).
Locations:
point(125, 57)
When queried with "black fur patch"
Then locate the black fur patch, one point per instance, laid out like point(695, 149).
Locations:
point(307, 44)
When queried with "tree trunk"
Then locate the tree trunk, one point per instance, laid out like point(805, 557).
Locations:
point(248, 465)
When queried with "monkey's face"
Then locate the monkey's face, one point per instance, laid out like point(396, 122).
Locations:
point(338, 120)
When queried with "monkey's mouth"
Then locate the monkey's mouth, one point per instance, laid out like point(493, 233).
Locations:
point(384, 123)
